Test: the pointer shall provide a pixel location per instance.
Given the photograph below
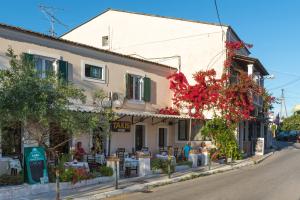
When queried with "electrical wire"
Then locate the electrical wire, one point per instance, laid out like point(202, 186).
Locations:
point(167, 40)
point(219, 19)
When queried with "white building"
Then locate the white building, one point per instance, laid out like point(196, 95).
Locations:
point(188, 45)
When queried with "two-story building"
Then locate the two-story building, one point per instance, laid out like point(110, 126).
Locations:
point(188, 45)
point(138, 89)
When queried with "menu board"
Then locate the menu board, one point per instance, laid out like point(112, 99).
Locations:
point(36, 168)
point(260, 146)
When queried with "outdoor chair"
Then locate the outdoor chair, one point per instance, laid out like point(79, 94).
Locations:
point(91, 160)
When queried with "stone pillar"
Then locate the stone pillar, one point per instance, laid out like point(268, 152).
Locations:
point(113, 162)
point(144, 166)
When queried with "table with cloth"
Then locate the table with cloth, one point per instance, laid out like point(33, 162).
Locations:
point(166, 157)
point(100, 158)
point(195, 158)
point(78, 165)
point(8, 163)
point(130, 164)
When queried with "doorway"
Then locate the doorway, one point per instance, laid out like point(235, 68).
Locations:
point(139, 137)
point(162, 137)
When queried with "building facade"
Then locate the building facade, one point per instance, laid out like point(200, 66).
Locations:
point(140, 87)
point(190, 46)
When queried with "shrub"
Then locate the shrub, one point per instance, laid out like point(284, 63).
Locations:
point(161, 164)
point(11, 179)
point(75, 175)
point(106, 171)
point(189, 163)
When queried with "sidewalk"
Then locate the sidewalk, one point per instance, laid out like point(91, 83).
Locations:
point(100, 191)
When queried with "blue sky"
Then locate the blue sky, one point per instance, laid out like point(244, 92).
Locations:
point(272, 26)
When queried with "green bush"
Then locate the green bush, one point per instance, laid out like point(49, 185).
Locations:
point(106, 171)
point(189, 163)
point(6, 180)
point(161, 164)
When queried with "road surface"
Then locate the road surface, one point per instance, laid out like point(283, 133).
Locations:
point(277, 178)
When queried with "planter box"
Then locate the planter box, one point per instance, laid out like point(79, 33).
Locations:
point(181, 168)
point(13, 192)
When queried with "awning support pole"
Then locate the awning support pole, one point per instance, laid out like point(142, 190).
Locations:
point(190, 130)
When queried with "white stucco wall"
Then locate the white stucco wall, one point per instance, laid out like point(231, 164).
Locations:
point(199, 45)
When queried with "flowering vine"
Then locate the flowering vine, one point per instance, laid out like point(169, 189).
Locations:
point(234, 101)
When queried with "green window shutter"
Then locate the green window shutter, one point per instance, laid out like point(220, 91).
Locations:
point(28, 58)
point(63, 70)
point(129, 86)
point(147, 89)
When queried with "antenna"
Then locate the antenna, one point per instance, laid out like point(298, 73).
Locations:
point(49, 14)
point(282, 106)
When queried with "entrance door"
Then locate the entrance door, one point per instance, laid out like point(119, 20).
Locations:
point(139, 137)
point(162, 137)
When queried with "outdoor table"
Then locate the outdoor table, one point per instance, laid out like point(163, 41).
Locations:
point(130, 163)
point(193, 157)
point(100, 158)
point(8, 163)
point(78, 165)
point(165, 157)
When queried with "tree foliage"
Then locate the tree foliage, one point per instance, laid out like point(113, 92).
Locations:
point(223, 135)
point(37, 103)
point(291, 123)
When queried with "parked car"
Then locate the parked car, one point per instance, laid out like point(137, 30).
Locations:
point(283, 135)
point(288, 135)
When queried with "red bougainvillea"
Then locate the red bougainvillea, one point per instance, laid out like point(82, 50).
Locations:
point(234, 101)
point(169, 111)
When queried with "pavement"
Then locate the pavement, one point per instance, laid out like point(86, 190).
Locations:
point(144, 185)
point(277, 178)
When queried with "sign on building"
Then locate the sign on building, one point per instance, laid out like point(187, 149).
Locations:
point(120, 126)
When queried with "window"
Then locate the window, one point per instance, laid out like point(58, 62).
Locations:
point(138, 88)
point(95, 72)
point(43, 66)
point(182, 130)
point(105, 41)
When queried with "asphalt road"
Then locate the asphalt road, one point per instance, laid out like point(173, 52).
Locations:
point(277, 178)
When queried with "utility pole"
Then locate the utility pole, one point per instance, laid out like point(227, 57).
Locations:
point(283, 111)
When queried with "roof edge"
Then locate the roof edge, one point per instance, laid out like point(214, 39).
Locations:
point(42, 35)
point(145, 14)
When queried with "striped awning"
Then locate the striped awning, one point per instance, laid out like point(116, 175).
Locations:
point(149, 114)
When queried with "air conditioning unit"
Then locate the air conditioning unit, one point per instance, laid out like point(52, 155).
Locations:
point(117, 99)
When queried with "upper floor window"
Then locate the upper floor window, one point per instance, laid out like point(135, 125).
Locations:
point(105, 41)
point(91, 71)
point(138, 88)
point(95, 72)
point(44, 65)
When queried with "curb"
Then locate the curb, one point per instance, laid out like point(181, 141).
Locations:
point(189, 176)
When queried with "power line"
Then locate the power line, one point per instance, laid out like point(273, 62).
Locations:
point(167, 40)
point(219, 19)
point(286, 84)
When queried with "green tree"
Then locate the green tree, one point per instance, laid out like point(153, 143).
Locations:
point(35, 103)
point(291, 123)
point(223, 135)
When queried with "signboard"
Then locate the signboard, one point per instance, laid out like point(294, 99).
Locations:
point(120, 126)
point(35, 164)
point(260, 146)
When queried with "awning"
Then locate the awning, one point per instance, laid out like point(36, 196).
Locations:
point(150, 114)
